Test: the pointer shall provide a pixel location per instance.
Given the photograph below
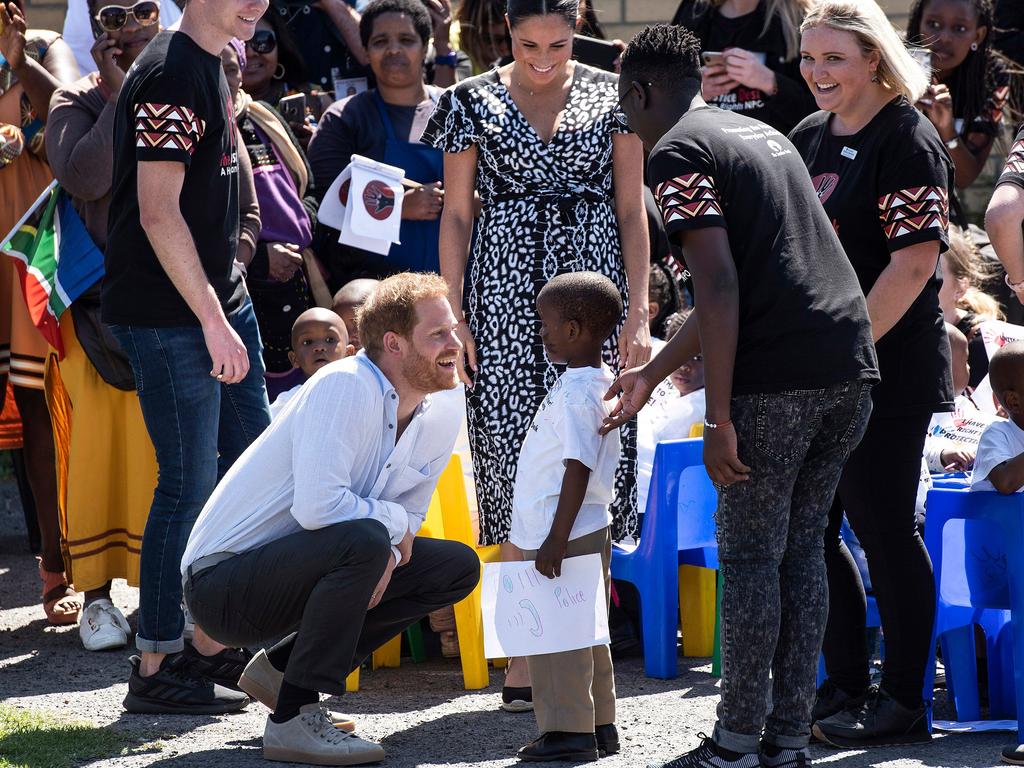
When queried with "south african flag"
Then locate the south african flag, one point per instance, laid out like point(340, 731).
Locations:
point(56, 259)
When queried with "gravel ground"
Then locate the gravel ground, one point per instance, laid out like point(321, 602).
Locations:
point(420, 713)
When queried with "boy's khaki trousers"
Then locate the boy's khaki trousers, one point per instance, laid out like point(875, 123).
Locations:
point(574, 691)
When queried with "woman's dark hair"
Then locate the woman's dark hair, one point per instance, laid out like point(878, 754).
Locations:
point(523, 9)
point(591, 27)
point(662, 288)
point(972, 83)
point(414, 9)
point(288, 54)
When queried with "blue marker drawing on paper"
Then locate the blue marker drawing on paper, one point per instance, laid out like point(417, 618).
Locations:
point(538, 630)
point(506, 582)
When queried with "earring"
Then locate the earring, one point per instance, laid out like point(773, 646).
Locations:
point(974, 46)
point(874, 77)
point(279, 72)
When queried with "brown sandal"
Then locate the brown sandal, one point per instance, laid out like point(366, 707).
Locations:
point(60, 601)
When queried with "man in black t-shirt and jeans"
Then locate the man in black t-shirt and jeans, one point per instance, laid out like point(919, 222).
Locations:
point(174, 298)
point(789, 364)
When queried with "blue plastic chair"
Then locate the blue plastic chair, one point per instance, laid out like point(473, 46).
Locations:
point(976, 543)
point(951, 480)
point(872, 621)
point(678, 529)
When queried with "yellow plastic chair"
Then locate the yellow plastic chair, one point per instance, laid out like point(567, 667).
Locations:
point(448, 518)
point(697, 603)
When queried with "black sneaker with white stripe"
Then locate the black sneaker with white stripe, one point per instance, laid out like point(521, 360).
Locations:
point(175, 688)
point(772, 756)
point(223, 668)
point(710, 755)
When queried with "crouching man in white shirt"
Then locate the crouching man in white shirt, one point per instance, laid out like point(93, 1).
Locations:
point(312, 530)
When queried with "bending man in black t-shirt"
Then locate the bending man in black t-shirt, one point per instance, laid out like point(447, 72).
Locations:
point(174, 299)
point(789, 364)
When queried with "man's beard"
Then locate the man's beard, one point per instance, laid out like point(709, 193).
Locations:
point(426, 375)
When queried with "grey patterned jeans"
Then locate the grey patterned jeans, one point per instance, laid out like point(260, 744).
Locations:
point(770, 534)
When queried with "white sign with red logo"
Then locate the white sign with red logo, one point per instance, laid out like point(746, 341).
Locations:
point(365, 204)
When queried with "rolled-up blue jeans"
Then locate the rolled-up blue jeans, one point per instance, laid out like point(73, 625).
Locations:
point(198, 427)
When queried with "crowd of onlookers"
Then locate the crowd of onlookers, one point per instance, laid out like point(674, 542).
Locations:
point(498, 206)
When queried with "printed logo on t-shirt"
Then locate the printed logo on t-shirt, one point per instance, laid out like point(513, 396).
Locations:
point(739, 100)
point(689, 196)
point(825, 184)
point(777, 149)
point(378, 199)
point(167, 126)
point(1015, 161)
point(229, 164)
point(913, 210)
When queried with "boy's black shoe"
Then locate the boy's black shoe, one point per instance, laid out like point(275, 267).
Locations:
point(829, 700)
point(223, 668)
point(559, 745)
point(607, 739)
point(1013, 755)
point(710, 755)
point(876, 721)
point(175, 688)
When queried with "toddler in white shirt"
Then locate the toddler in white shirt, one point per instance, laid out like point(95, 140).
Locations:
point(564, 485)
point(999, 465)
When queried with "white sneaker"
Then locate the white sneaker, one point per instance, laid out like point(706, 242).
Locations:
point(103, 627)
point(311, 737)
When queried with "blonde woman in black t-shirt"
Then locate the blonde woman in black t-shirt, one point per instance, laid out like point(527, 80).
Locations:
point(883, 177)
point(751, 57)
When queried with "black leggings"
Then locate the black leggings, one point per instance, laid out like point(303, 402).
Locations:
point(878, 491)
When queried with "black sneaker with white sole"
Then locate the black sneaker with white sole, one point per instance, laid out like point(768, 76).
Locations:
point(175, 688)
point(710, 755)
point(771, 756)
point(224, 668)
point(1013, 755)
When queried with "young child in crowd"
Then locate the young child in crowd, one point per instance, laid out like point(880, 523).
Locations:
point(563, 488)
point(952, 440)
point(675, 407)
point(999, 465)
point(348, 300)
point(318, 338)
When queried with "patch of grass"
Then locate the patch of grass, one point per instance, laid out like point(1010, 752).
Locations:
point(30, 739)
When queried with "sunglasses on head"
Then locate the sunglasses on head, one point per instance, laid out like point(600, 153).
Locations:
point(111, 18)
point(264, 41)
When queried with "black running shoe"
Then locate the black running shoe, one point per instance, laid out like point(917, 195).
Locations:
point(710, 755)
point(1013, 755)
point(175, 688)
point(876, 721)
point(223, 668)
point(829, 699)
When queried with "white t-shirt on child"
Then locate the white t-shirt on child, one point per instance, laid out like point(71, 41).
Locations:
point(1001, 441)
point(565, 427)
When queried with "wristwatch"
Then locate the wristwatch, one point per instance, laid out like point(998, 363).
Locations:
point(952, 143)
point(448, 60)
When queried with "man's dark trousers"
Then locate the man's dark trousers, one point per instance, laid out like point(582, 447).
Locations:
point(318, 584)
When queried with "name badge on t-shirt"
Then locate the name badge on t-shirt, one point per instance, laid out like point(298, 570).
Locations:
point(848, 153)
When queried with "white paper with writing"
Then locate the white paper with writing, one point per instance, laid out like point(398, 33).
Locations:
point(526, 614)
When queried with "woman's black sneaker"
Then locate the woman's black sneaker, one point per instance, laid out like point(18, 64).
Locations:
point(223, 668)
point(175, 688)
point(876, 721)
point(829, 700)
point(1013, 755)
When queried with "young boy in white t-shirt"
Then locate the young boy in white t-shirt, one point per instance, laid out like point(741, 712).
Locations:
point(564, 485)
point(999, 465)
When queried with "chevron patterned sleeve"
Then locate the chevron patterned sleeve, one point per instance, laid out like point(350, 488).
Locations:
point(166, 132)
point(914, 215)
point(1013, 172)
point(689, 201)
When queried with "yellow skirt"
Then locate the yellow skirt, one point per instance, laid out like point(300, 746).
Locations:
point(106, 468)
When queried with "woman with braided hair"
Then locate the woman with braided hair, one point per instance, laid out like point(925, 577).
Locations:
point(971, 82)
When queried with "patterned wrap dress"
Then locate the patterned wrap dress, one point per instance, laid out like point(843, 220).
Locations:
point(547, 209)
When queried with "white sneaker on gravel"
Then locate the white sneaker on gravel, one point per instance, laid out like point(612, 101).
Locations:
point(103, 627)
point(310, 737)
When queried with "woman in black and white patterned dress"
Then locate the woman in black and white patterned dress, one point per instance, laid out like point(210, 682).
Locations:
point(560, 179)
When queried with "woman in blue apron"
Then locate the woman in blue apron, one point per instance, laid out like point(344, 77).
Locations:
point(385, 124)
